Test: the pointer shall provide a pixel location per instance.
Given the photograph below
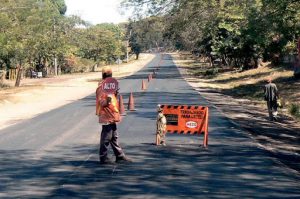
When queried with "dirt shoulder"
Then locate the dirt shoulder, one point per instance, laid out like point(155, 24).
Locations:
point(36, 96)
point(281, 138)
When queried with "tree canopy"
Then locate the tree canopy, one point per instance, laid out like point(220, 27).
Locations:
point(36, 33)
point(236, 31)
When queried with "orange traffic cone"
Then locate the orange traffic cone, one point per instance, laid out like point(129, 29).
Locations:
point(121, 106)
point(143, 85)
point(131, 103)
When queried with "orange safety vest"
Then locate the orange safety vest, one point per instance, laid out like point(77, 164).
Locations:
point(108, 113)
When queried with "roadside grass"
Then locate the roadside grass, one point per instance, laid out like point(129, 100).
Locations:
point(94, 80)
point(294, 110)
point(9, 93)
point(3, 85)
point(246, 84)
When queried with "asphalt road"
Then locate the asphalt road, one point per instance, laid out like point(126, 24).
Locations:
point(55, 155)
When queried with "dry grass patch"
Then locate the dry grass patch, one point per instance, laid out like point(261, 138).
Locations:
point(15, 94)
point(244, 84)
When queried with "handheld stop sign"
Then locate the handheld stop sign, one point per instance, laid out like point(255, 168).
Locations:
point(110, 85)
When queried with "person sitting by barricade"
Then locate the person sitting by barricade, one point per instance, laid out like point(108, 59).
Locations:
point(161, 127)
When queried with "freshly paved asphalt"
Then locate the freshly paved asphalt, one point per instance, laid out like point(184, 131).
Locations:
point(55, 155)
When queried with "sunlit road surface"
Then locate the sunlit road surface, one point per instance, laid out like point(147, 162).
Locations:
point(55, 155)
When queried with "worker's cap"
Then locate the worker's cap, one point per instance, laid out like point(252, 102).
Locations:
point(107, 70)
point(159, 109)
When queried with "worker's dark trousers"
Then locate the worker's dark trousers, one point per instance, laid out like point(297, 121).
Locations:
point(109, 135)
point(272, 109)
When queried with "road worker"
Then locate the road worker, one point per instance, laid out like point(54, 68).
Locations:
point(271, 96)
point(108, 112)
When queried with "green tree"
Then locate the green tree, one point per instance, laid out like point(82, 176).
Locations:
point(236, 31)
point(61, 6)
point(30, 33)
point(102, 42)
point(146, 34)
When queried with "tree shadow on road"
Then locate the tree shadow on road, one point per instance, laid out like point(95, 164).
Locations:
point(181, 169)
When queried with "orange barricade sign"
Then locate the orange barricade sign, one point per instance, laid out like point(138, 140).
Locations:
point(185, 119)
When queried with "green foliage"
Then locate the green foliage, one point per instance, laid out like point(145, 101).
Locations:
point(35, 33)
point(61, 6)
point(294, 110)
point(102, 42)
point(73, 64)
point(146, 34)
point(211, 72)
point(236, 31)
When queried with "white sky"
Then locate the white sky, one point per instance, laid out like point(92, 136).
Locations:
point(96, 11)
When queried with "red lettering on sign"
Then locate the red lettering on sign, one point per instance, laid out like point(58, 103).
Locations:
point(191, 124)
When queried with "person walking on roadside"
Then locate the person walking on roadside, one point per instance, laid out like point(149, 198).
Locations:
point(108, 113)
point(271, 96)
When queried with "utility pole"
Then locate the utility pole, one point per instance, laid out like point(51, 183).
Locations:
point(55, 66)
point(127, 44)
point(55, 58)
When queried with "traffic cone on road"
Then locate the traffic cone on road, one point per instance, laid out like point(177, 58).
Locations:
point(121, 106)
point(131, 103)
point(143, 85)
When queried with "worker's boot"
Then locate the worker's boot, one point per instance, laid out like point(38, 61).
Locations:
point(123, 159)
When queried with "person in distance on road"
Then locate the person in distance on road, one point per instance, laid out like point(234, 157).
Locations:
point(107, 110)
point(271, 96)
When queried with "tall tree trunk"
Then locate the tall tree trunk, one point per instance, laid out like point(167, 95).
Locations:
point(55, 66)
point(225, 61)
point(45, 67)
point(2, 76)
point(210, 62)
point(19, 75)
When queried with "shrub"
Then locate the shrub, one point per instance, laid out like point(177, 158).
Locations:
point(294, 110)
point(212, 72)
point(74, 64)
point(3, 85)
